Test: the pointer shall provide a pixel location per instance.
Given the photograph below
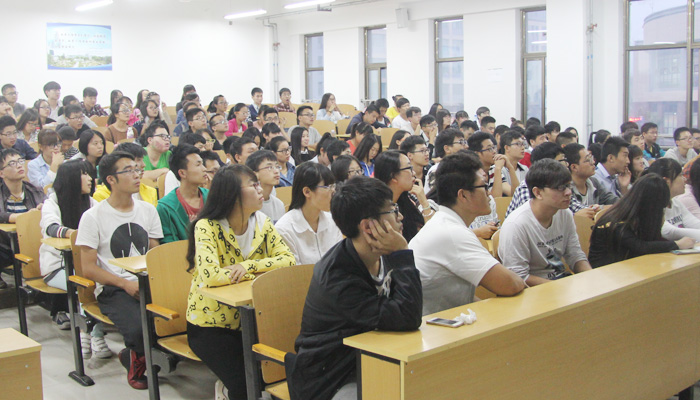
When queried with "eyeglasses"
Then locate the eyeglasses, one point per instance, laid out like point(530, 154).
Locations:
point(12, 94)
point(394, 210)
point(44, 107)
point(287, 150)
point(255, 185)
point(485, 186)
point(410, 167)
point(424, 151)
point(491, 149)
point(460, 142)
point(685, 138)
point(272, 119)
point(221, 122)
point(560, 188)
point(77, 117)
point(200, 118)
point(125, 111)
point(15, 163)
point(271, 168)
point(307, 115)
point(163, 136)
point(520, 144)
point(10, 134)
point(356, 172)
point(589, 159)
point(135, 171)
point(330, 187)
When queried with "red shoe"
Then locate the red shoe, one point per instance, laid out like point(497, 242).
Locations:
point(135, 367)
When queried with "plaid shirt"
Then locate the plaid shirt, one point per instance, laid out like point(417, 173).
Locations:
point(281, 107)
point(522, 196)
point(95, 110)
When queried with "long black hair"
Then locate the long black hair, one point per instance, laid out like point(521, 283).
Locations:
point(341, 167)
point(666, 168)
point(363, 149)
point(85, 139)
point(224, 195)
point(398, 135)
point(308, 175)
point(67, 185)
point(295, 141)
point(695, 180)
point(641, 209)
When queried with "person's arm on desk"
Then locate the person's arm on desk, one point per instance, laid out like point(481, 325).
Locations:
point(581, 266)
point(502, 281)
point(88, 258)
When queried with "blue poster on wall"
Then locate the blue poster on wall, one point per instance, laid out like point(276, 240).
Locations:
point(79, 47)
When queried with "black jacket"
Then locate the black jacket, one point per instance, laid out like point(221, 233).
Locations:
point(343, 301)
point(611, 245)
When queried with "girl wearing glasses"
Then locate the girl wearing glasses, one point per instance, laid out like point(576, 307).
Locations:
point(346, 167)
point(367, 151)
point(280, 146)
point(229, 242)
point(28, 125)
point(119, 129)
point(308, 227)
point(149, 112)
point(44, 109)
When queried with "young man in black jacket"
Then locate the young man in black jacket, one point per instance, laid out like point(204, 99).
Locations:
point(368, 281)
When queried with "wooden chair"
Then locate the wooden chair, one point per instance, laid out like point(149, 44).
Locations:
point(150, 182)
point(314, 106)
point(323, 126)
point(109, 147)
point(284, 194)
point(222, 155)
point(584, 228)
point(342, 126)
point(101, 129)
point(128, 140)
point(85, 287)
point(346, 109)
point(174, 140)
point(160, 185)
point(289, 118)
point(352, 113)
point(279, 322)
point(99, 121)
point(502, 204)
point(494, 239)
point(35, 146)
point(27, 261)
point(171, 113)
point(387, 134)
point(600, 214)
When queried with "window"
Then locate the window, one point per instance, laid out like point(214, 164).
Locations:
point(449, 64)
point(375, 63)
point(313, 47)
point(658, 76)
point(534, 57)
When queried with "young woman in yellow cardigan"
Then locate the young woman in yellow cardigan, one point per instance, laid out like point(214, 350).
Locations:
point(230, 241)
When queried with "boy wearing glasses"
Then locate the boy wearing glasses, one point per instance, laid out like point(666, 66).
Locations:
point(449, 278)
point(264, 163)
point(582, 167)
point(612, 172)
point(158, 151)
point(120, 227)
point(145, 193)
point(683, 152)
point(305, 118)
point(512, 145)
point(418, 154)
point(42, 170)
point(484, 145)
point(540, 235)
point(8, 139)
point(9, 91)
point(448, 142)
point(365, 282)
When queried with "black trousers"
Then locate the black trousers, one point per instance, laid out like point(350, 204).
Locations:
point(125, 312)
point(222, 351)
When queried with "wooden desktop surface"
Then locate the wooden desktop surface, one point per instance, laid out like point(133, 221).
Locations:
point(13, 343)
point(9, 228)
point(629, 330)
point(57, 243)
point(135, 265)
point(21, 366)
point(237, 295)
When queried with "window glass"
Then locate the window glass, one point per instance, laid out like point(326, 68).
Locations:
point(376, 46)
point(314, 85)
point(314, 51)
point(536, 31)
point(658, 22)
point(450, 39)
point(451, 85)
point(534, 87)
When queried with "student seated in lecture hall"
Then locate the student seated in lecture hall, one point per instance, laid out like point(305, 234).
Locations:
point(588, 191)
point(120, 227)
point(157, 140)
point(230, 241)
point(280, 146)
point(285, 105)
point(181, 206)
point(447, 142)
point(254, 108)
point(382, 121)
point(305, 118)
point(369, 116)
point(613, 170)
point(365, 282)
point(42, 170)
point(9, 140)
point(145, 192)
point(485, 146)
point(264, 164)
point(450, 277)
point(368, 150)
point(541, 234)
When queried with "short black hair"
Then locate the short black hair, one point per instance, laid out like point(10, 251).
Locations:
point(649, 125)
point(228, 144)
point(178, 159)
point(237, 146)
point(425, 120)
point(270, 127)
point(89, 92)
point(6, 86)
point(678, 131)
point(335, 149)
point(482, 110)
point(533, 132)
point(51, 85)
point(532, 121)
point(400, 102)
point(66, 133)
point(6, 121)
point(189, 114)
point(469, 124)
point(209, 155)
point(630, 133)
point(381, 103)
point(341, 165)
point(357, 199)
point(371, 108)
point(446, 138)
point(192, 138)
point(255, 90)
point(255, 159)
point(108, 165)
point(500, 129)
point(134, 149)
point(474, 142)
point(628, 125)
point(274, 144)
point(284, 89)
point(612, 146)
point(461, 114)
point(507, 138)
point(569, 137)
point(71, 109)
point(546, 173)
point(413, 110)
point(552, 126)
point(309, 175)
point(456, 171)
point(4, 153)
point(151, 130)
point(546, 150)
point(409, 144)
point(488, 120)
point(572, 152)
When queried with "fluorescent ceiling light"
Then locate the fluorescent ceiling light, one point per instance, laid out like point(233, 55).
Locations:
point(307, 4)
point(246, 14)
point(94, 4)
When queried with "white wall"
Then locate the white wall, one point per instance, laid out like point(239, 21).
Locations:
point(156, 48)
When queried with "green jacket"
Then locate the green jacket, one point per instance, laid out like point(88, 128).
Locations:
point(173, 217)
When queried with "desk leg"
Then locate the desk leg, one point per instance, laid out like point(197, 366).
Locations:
point(252, 374)
point(148, 340)
point(79, 374)
point(17, 272)
point(687, 394)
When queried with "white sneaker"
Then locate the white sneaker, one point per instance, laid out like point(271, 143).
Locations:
point(100, 348)
point(85, 345)
point(220, 391)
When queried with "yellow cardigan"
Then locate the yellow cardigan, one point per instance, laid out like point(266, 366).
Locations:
point(148, 194)
point(216, 247)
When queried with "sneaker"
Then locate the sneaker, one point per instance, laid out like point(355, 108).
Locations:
point(61, 319)
point(85, 345)
point(220, 392)
point(99, 347)
point(135, 367)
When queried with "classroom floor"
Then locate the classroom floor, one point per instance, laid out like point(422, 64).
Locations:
point(191, 380)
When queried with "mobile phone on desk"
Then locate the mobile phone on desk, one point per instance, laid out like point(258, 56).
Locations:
point(445, 322)
point(694, 250)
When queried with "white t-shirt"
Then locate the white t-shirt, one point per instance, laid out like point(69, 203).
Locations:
point(679, 222)
point(401, 123)
point(430, 178)
point(451, 261)
point(485, 219)
point(171, 183)
point(273, 208)
point(308, 246)
point(526, 247)
point(118, 234)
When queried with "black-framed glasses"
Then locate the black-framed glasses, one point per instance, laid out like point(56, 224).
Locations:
point(485, 186)
point(405, 168)
point(163, 136)
point(424, 151)
point(356, 172)
point(394, 210)
point(15, 163)
point(520, 144)
point(10, 134)
point(135, 171)
point(491, 149)
point(287, 150)
point(271, 168)
point(560, 188)
point(462, 142)
point(330, 187)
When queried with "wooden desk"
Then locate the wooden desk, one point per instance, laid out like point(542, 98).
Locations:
point(135, 265)
point(240, 294)
point(60, 244)
point(21, 366)
point(628, 330)
point(9, 228)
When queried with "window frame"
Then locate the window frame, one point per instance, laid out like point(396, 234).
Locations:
point(373, 66)
point(524, 58)
point(439, 60)
point(308, 69)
